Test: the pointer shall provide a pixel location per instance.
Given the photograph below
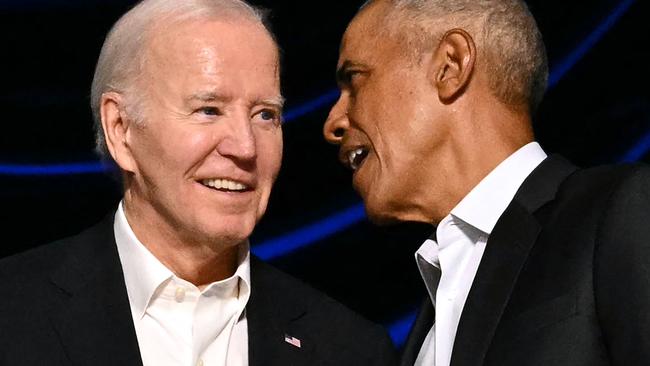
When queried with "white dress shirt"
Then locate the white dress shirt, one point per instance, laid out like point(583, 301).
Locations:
point(175, 322)
point(460, 242)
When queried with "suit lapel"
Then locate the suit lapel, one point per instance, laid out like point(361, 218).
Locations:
point(271, 318)
point(506, 252)
point(418, 333)
point(91, 312)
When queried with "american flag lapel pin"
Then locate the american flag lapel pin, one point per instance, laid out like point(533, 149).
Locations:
point(292, 340)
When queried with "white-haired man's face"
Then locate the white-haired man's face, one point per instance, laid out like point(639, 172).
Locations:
point(202, 163)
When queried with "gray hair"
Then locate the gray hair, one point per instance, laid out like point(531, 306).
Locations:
point(123, 54)
point(507, 36)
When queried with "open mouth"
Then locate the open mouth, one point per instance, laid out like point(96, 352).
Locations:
point(225, 185)
point(356, 157)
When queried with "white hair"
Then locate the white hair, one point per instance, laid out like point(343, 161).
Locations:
point(123, 54)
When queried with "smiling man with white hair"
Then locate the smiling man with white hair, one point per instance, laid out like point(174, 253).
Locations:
point(187, 104)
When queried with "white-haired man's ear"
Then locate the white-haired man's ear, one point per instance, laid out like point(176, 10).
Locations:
point(117, 126)
point(453, 64)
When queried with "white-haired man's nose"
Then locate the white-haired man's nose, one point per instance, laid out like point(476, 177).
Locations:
point(239, 142)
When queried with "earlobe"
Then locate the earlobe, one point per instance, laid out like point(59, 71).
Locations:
point(116, 125)
point(453, 64)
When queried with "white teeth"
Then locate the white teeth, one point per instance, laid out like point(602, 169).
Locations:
point(224, 184)
point(352, 158)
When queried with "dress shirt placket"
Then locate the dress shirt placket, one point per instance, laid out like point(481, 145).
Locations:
point(174, 300)
point(456, 246)
point(215, 315)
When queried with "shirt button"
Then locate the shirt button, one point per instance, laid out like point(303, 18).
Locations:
point(180, 294)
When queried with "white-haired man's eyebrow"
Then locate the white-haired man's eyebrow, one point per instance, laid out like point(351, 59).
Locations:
point(208, 97)
point(277, 102)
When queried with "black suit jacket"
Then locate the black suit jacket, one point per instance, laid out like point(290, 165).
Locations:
point(565, 277)
point(66, 304)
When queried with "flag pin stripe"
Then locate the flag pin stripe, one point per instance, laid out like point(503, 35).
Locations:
point(292, 340)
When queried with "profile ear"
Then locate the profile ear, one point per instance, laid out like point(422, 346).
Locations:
point(117, 126)
point(453, 64)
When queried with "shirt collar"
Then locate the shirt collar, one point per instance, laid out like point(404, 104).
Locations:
point(144, 273)
point(243, 277)
point(486, 202)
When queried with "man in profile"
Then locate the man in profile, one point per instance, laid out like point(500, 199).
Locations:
point(532, 261)
point(186, 98)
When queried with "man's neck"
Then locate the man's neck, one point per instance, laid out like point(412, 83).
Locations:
point(476, 150)
point(200, 263)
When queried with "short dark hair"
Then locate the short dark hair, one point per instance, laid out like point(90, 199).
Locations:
point(507, 36)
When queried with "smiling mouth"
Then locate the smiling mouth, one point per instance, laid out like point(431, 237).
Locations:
point(225, 185)
point(356, 157)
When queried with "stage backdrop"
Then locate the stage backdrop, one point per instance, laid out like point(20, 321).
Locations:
point(597, 111)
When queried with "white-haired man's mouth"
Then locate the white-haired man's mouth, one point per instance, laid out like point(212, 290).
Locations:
point(225, 185)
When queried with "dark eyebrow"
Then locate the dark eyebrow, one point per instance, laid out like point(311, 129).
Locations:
point(341, 73)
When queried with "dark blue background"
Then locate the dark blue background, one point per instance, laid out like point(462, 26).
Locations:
point(597, 111)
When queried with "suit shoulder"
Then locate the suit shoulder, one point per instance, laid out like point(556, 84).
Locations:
point(609, 175)
point(39, 262)
point(597, 185)
point(33, 263)
point(344, 337)
point(25, 279)
point(300, 292)
point(323, 309)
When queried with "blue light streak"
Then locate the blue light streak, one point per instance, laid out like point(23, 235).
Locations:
point(562, 68)
point(400, 329)
point(289, 242)
point(638, 151)
point(319, 102)
point(23, 170)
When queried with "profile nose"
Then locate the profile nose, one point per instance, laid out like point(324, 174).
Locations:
point(337, 123)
